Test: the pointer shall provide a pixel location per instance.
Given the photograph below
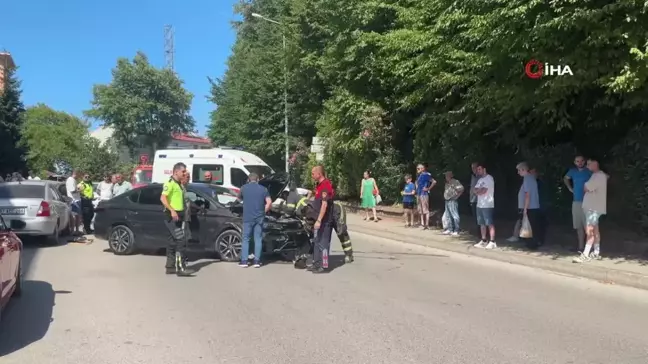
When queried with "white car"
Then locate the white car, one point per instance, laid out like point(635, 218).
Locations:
point(35, 208)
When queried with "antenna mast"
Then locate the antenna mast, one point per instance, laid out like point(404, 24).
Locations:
point(169, 48)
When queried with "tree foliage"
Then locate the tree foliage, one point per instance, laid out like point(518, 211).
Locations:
point(143, 105)
point(58, 140)
point(389, 83)
point(11, 111)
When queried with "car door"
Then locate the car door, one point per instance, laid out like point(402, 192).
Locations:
point(5, 262)
point(55, 200)
point(198, 224)
point(147, 217)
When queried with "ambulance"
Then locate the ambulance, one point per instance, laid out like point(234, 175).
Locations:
point(229, 167)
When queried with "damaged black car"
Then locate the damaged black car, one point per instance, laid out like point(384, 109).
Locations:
point(134, 221)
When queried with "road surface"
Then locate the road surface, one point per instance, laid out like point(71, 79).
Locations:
point(396, 304)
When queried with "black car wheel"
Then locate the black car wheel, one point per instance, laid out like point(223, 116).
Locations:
point(228, 246)
point(121, 240)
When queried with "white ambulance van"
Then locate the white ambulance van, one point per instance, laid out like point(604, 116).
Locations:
point(229, 167)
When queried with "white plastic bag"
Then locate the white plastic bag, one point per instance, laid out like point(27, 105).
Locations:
point(525, 229)
point(445, 220)
point(378, 199)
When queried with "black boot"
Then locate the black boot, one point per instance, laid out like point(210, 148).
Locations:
point(181, 269)
point(170, 270)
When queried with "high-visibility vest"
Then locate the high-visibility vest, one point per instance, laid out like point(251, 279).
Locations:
point(87, 191)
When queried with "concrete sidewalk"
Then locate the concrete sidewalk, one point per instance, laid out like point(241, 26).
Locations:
point(633, 273)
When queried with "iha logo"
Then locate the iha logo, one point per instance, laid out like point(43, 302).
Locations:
point(535, 69)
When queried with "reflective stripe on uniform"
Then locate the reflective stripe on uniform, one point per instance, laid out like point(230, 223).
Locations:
point(302, 202)
point(346, 245)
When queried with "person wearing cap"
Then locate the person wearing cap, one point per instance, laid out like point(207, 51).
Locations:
point(451, 193)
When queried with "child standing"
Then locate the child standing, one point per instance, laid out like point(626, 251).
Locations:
point(409, 199)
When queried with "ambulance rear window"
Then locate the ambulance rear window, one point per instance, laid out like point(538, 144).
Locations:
point(198, 173)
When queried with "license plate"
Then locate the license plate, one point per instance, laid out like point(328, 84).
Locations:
point(12, 211)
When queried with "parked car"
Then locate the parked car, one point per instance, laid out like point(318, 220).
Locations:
point(35, 208)
point(10, 264)
point(62, 190)
point(135, 220)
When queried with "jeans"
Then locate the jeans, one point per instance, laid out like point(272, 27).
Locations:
point(452, 213)
point(252, 229)
point(322, 243)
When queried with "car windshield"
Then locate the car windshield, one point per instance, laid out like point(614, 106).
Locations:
point(22, 191)
point(141, 176)
point(261, 171)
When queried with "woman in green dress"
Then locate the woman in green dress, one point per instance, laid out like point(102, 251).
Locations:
point(368, 192)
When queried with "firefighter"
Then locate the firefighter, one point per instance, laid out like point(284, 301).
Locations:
point(342, 231)
point(303, 210)
point(87, 208)
point(173, 199)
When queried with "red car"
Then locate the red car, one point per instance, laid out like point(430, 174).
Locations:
point(11, 248)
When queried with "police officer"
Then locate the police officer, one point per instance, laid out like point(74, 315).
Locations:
point(87, 208)
point(173, 199)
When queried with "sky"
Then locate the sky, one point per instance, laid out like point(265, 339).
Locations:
point(63, 48)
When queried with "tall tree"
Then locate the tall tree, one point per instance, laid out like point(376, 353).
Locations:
point(11, 111)
point(250, 97)
point(60, 141)
point(143, 105)
point(52, 138)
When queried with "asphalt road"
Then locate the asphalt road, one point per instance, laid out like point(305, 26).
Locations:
point(396, 304)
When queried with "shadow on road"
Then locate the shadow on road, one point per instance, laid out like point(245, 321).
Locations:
point(26, 320)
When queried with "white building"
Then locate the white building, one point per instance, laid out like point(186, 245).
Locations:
point(178, 141)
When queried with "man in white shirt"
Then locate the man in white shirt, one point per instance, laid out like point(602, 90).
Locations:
point(485, 191)
point(121, 186)
point(105, 189)
point(594, 206)
point(75, 197)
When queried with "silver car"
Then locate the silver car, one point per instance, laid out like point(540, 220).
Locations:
point(35, 208)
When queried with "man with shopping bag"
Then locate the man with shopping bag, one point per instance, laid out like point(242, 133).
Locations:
point(529, 209)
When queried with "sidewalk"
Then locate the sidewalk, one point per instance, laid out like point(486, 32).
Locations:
point(623, 271)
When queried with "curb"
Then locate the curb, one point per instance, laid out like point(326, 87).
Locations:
point(603, 275)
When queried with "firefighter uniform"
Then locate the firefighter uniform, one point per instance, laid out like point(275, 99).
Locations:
point(342, 231)
point(176, 249)
point(87, 208)
point(306, 211)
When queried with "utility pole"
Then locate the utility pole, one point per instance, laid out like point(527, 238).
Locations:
point(169, 47)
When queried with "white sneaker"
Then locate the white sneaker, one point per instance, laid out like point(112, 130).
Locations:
point(446, 232)
point(454, 234)
point(513, 239)
point(491, 245)
point(481, 244)
point(594, 256)
point(582, 258)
